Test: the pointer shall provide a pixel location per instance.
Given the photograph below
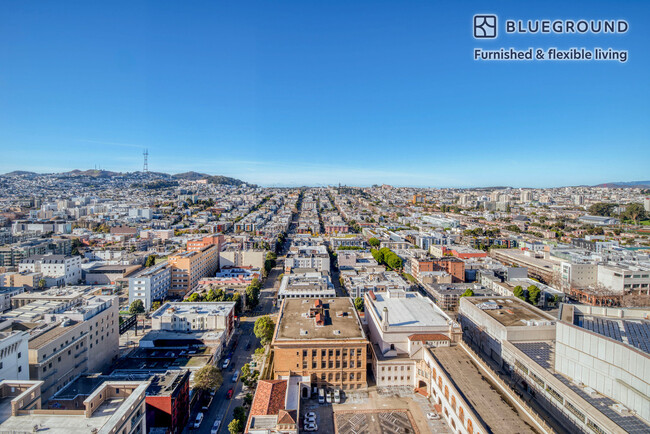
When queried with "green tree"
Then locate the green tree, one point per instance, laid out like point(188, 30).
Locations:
point(151, 260)
point(235, 426)
point(518, 292)
point(358, 304)
point(468, 293)
point(207, 379)
point(374, 242)
point(602, 209)
point(248, 399)
point(239, 413)
point(194, 298)
point(155, 305)
point(394, 261)
point(533, 295)
point(211, 295)
point(136, 307)
point(634, 212)
point(379, 256)
point(264, 328)
point(41, 283)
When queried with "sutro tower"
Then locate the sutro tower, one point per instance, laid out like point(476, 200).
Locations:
point(145, 168)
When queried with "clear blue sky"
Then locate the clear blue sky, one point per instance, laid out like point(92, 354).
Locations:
point(318, 92)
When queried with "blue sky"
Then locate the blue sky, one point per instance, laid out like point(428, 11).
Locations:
point(316, 92)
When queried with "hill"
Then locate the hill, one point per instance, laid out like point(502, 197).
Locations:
point(631, 184)
point(191, 176)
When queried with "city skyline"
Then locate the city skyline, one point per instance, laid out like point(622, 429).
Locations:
point(300, 94)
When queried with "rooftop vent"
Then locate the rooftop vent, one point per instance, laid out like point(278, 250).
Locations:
point(337, 332)
point(303, 332)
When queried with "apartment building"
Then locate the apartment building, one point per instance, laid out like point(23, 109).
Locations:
point(322, 340)
point(113, 407)
point(150, 284)
point(190, 266)
point(306, 285)
point(214, 240)
point(83, 339)
point(57, 270)
point(13, 353)
point(242, 258)
point(202, 316)
point(5, 296)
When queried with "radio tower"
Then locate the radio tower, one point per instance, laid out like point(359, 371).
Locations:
point(145, 168)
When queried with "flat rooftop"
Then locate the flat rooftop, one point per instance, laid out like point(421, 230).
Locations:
point(340, 320)
point(510, 311)
point(202, 308)
point(486, 401)
point(408, 309)
point(52, 334)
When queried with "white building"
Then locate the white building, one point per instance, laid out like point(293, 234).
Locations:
point(14, 363)
point(203, 316)
point(57, 270)
point(306, 285)
point(150, 284)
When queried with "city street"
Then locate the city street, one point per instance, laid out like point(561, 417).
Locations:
point(221, 407)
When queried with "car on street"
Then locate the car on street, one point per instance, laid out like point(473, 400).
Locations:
point(311, 427)
point(229, 393)
point(198, 420)
point(226, 363)
point(235, 377)
point(215, 426)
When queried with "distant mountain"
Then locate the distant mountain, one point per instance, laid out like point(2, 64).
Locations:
point(632, 184)
point(153, 176)
point(20, 173)
point(191, 176)
point(91, 173)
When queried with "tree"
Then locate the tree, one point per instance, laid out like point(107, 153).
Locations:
point(379, 256)
point(136, 307)
point(602, 209)
point(468, 293)
point(211, 295)
point(41, 283)
point(634, 212)
point(235, 426)
point(394, 261)
point(248, 399)
point(264, 328)
point(207, 379)
point(194, 298)
point(151, 260)
point(533, 295)
point(374, 242)
point(358, 304)
point(239, 413)
point(155, 305)
point(518, 292)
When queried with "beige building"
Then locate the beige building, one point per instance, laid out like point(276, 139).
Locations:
point(113, 407)
point(322, 340)
point(242, 258)
point(189, 267)
point(83, 339)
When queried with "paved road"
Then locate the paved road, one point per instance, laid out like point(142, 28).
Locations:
point(222, 408)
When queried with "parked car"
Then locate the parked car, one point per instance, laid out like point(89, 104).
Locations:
point(226, 363)
point(311, 427)
point(229, 393)
point(337, 396)
point(198, 420)
point(235, 376)
point(215, 426)
point(321, 396)
point(329, 395)
point(310, 415)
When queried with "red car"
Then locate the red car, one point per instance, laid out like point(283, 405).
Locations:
point(229, 394)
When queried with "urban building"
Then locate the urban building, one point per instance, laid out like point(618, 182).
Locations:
point(57, 270)
point(309, 284)
point(322, 340)
point(190, 266)
point(150, 284)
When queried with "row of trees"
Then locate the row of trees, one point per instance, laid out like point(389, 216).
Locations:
point(217, 295)
point(633, 211)
point(530, 295)
point(387, 257)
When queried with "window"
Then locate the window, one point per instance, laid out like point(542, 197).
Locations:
point(19, 355)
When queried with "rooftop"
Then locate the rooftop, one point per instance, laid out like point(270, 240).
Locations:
point(486, 401)
point(201, 308)
point(298, 320)
point(511, 311)
point(407, 309)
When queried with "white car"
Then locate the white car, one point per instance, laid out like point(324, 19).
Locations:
point(309, 420)
point(433, 416)
point(311, 427)
point(337, 396)
point(226, 363)
point(235, 377)
point(310, 415)
point(215, 427)
point(199, 419)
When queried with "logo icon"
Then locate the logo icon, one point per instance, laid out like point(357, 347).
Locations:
point(485, 26)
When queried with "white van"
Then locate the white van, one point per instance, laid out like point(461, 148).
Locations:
point(321, 396)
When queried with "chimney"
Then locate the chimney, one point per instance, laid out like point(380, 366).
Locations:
point(384, 319)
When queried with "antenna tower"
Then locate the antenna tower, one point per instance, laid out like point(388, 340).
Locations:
point(145, 168)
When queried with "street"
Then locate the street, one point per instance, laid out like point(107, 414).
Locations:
point(221, 407)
